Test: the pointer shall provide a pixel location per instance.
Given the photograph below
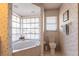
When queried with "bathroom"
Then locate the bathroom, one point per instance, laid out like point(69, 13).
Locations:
point(43, 32)
point(20, 39)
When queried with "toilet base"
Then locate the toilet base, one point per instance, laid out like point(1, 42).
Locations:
point(52, 52)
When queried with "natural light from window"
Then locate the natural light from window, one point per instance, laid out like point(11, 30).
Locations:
point(27, 27)
point(15, 28)
point(51, 23)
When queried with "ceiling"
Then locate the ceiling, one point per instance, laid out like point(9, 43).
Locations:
point(29, 9)
point(26, 9)
point(48, 6)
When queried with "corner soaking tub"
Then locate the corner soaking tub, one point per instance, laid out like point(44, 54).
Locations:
point(24, 44)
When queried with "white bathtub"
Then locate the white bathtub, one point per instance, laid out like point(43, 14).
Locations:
point(24, 44)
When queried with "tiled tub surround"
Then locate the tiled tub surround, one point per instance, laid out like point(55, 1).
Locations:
point(24, 44)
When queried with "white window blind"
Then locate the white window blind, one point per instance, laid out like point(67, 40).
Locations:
point(51, 23)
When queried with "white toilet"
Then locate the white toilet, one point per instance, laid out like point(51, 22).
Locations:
point(52, 46)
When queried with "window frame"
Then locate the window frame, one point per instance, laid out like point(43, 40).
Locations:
point(22, 29)
point(51, 23)
point(16, 34)
point(32, 28)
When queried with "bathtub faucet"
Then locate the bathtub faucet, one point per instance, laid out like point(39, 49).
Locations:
point(22, 38)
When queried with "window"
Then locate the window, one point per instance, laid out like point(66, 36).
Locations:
point(28, 27)
point(31, 28)
point(51, 23)
point(15, 28)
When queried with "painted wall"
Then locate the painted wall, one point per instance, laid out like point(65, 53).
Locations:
point(69, 42)
point(53, 36)
point(4, 29)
